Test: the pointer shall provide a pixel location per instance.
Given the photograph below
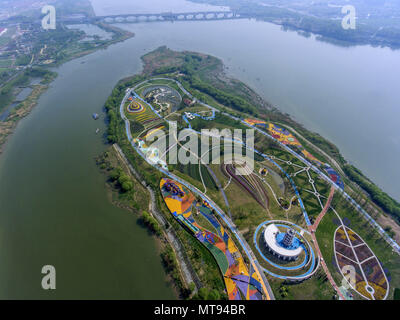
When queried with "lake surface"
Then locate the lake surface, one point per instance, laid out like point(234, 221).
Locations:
point(53, 204)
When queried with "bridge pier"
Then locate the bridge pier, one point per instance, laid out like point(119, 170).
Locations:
point(170, 16)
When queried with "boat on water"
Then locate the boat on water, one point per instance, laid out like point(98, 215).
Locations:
point(95, 116)
point(97, 130)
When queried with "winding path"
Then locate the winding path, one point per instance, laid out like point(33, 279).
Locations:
point(313, 229)
point(324, 210)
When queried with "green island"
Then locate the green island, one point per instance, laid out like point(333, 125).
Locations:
point(292, 227)
point(29, 54)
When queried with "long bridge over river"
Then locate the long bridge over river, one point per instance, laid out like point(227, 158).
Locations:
point(158, 17)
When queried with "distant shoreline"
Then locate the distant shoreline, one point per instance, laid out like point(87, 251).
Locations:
point(23, 109)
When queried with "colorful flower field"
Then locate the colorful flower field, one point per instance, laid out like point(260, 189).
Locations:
point(310, 157)
point(240, 282)
point(350, 250)
point(255, 122)
point(334, 176)
point(138, 111)
point(283, 135)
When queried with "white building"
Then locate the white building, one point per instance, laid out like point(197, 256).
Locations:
point(282, 245)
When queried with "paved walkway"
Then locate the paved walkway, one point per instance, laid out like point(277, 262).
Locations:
point(312, 230)
point(327, 272)
point(324, 210)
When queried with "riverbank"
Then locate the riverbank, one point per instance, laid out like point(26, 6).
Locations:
point(23, 109)
point(84, 236)
point(140, 200)
point(322, 20)
point(47, 76)
point(119, 35)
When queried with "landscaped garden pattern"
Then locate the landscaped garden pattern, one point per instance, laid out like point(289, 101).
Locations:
point(295, 270)
point(241, 283)
point(162, 96)
point(251, 183)
point(351, 250)
point(285, 137)
point(138, 111)
point(255, 122)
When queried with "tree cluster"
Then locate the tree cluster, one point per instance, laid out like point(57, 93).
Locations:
point(381, 198)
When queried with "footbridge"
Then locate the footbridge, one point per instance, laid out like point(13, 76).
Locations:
point(170, 16)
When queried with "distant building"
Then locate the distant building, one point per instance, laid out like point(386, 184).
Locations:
point(285, 246)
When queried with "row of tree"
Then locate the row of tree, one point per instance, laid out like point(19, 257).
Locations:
point(150, 222)
point(381, 198)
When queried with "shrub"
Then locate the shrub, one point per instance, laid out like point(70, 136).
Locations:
point(127, 186)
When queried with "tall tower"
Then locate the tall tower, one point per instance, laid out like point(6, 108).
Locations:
point(288, 238)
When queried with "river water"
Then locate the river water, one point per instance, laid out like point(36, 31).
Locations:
point(53, 204)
